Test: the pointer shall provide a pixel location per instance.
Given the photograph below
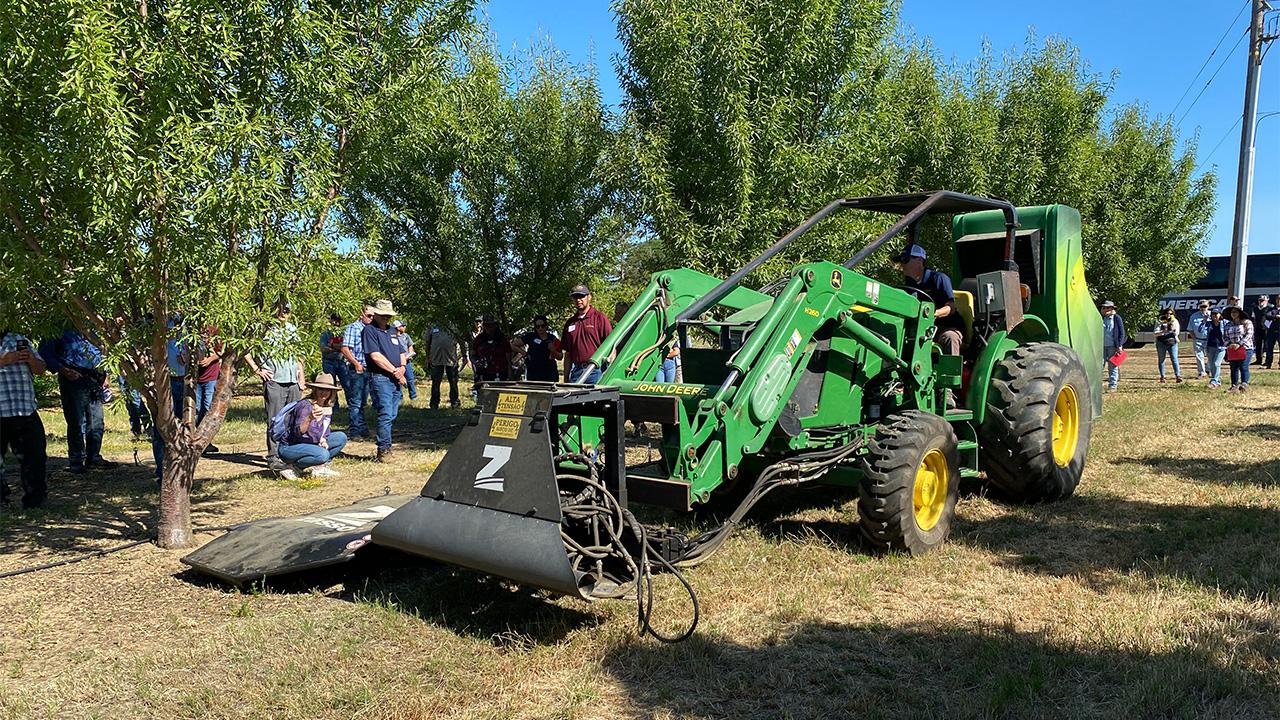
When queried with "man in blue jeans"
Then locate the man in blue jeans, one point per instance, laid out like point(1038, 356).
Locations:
point(355, 382)
point(80, 382)
point(1198, 326)
point(384, 360)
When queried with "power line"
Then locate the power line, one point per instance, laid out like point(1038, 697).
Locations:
point(1221, 65)
point(1225, 33)
point(1217, 145)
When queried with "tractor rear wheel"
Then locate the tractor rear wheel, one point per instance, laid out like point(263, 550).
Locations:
point(911, 478)
point(1039, 416)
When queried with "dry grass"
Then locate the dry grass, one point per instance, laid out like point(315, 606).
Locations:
point(1152, 593)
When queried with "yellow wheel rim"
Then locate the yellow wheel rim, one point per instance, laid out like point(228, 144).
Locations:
point(1066, 426)
point(933, 477)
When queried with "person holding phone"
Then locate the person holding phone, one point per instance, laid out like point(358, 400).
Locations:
point(310, 445)
point(20, 427)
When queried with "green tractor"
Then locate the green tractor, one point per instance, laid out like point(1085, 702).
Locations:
point(826, 375)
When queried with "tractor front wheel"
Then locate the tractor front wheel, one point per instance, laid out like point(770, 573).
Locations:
point(911, 477)
point(1039, 416)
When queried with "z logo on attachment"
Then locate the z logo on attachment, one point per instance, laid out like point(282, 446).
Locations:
point(837, 279)
point(487, 478)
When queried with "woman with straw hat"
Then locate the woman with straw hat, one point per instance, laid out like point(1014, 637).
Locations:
point(309, 444)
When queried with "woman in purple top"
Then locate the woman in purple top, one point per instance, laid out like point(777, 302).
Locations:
point(310, 444)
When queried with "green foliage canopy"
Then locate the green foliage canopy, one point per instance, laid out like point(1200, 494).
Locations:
point(185, 157)
point(746, 117)
point(503, 197)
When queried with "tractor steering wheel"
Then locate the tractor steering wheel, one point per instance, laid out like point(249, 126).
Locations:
point(918, 291)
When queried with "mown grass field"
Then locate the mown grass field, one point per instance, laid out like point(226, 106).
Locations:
point(1152, 593)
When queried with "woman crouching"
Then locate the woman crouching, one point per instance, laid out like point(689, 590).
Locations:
point(310, 446)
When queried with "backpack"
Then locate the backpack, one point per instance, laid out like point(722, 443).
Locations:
point(279, 425)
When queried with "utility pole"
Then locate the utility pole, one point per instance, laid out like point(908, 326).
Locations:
point(1248, 129)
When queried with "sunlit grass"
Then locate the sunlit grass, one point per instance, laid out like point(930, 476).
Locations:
point(1151, 593)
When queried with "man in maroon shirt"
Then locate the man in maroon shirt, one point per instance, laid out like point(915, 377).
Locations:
point(582, 334)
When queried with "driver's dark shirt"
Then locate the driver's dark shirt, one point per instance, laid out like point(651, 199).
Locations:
point(938, 287)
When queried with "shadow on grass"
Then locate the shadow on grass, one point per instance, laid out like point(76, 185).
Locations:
point(1219, 547)
point(1264, 473)
point(88, 512)
point(824, 670)
point(473, 605)
point(1266, 431)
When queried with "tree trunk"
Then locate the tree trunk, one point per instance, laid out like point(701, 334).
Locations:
point(174, 530)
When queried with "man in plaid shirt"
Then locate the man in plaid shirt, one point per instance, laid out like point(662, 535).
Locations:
point(354, 381)
point(20, 428)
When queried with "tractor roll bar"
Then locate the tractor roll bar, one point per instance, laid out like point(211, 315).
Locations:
point(911, 207)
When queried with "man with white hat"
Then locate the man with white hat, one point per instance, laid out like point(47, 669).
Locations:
point(384, 364)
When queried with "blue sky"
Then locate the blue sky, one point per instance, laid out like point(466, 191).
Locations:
point(1155, 50)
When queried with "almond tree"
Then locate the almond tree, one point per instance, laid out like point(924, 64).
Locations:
point(185, 157)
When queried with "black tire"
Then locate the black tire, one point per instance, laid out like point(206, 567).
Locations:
point(1017, 435)
point(887, 498)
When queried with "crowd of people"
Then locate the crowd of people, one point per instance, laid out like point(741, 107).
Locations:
point(1242, 339)
point(371, 359)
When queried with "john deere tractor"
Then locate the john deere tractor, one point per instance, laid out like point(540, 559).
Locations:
point(826, 375)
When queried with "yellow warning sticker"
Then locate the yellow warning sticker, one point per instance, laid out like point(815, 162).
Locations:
point(504, 427)
point(510, 403)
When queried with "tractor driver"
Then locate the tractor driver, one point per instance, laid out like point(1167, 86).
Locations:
point(937, 286)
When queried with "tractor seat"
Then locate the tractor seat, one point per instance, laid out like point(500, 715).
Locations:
point(964, 306)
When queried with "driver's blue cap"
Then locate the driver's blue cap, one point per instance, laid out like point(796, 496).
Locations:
point(911, 251)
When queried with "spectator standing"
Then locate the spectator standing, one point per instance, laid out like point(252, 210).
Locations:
point(1272, 334)
point(176, 357)
point(541, 351)
point(442, 353)
point(583, 333)
point(310, 445)
point(1113, 339)
point(355, 381)
point(1198, 330)
point(283, 377)
point(1239, 337)
point(20, 427)
point(384, 359)
point(1261, 309)
point(1216, 348)
point(469, 359)
point(670, 361)
point(80, 382)
point(406, 342)
point(331, 359)
point(1167, 331)
point(139, 417)
point(210, 365)
point(491, 352)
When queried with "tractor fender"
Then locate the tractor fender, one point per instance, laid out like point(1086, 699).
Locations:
point(1031, 329)
point(998, 346)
